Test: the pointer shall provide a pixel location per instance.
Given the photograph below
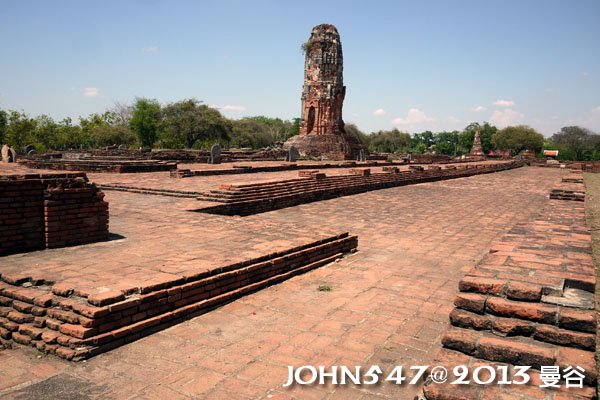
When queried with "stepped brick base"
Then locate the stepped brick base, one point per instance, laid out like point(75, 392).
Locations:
point(325, 146)
point(530, 301)
point(54, 319)
point(261, 197)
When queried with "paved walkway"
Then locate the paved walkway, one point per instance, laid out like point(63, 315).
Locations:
point(388, 304)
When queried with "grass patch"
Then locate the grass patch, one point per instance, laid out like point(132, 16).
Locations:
point(324, 288)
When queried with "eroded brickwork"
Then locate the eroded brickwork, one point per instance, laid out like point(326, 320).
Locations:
point(50, 210)
point(322, 128)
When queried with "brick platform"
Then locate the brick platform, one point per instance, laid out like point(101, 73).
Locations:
point(261, 197)
point(530, 301)
point(55, 319)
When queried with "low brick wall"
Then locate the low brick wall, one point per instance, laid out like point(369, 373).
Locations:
point(59, 320)
point(261, 197)
point(50, 210)
point(21, 215)
point(75, 215)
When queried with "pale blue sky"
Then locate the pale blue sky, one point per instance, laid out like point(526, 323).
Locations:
point(415, 65)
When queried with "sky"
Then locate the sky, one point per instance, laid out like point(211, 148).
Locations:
point(413, 65)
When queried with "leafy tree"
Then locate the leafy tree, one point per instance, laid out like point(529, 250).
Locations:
point(3, 124)
point(518, 138)
point(108, 135)
point(486, 132)
point(45, 135)
point(145, 120)
point(188, 122)
point(20, 129)
point(576, 143)
point(426, 138)
point(389, 141)
point(70, 136)
point(353, 131)
point(446, 142)
point(247, 132)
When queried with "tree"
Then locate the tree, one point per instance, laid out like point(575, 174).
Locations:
point(446, 142)
point(145, 120)
point(187, 122)
point(580, 143)
point(247, 132)
point(45, 135)
point(518, 138)
point(3, 124)
point(486, 132)
point(352, 131)
point(389, 141)
point(19, 132)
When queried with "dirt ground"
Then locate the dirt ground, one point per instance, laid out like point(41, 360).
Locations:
point(592, 207)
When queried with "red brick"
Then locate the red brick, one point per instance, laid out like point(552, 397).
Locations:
point(529, 311)
point(471, 301)
point(77, 331)
point(481, 285)
point(524, 291)
point(104, 298)
point(577, 320)
point(514, 352)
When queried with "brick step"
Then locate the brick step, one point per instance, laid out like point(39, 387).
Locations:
point(519, 351)
point(72, 327)
point(267, 186)
point(160, 192)
point(502, 326)
point(578, 320)
point(530, 391)
point(272, 202)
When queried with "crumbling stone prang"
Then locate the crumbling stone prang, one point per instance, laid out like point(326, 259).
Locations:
point(477, 149)
point(322, 128)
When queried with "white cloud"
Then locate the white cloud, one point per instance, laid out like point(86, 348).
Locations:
point(234, 108)
point(150, 50)
point(478, 109)
point(91, 92)
point(504, 103)
point(379, 112)
point(596, 110)
point(584, 73)
point(453, 120)
point(414, 116)
point(506, 117)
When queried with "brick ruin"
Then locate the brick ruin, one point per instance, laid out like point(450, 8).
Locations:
point(530, 301)
point(322, 127)
point(316, 186)
point(73, 324)
point(50, 210)
point(477, 148)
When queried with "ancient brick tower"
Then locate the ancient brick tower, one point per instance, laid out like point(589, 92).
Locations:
point(322, 128)
point(477, 149)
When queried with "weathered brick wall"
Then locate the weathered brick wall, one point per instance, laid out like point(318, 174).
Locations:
point(21, 215)
point(50, 210)
point(75, 215)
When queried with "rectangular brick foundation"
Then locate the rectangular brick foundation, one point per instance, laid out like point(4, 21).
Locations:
point(262, 197)
point(53, 319)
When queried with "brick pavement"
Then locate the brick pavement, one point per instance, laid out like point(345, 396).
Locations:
point(389, 302)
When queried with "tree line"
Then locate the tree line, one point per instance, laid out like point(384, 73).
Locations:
point(186, 124)
point(573, 142)
point(191, 124)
